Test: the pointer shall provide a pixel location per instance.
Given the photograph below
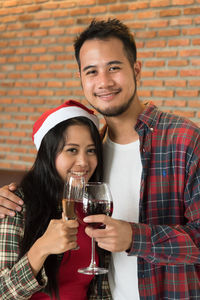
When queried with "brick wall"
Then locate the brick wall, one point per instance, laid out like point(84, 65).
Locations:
point(38, 69)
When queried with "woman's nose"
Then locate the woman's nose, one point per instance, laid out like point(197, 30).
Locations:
point(82, 160)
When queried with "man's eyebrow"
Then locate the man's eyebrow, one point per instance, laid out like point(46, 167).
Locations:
point(118, 62)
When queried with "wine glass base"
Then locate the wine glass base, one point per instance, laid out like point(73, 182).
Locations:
point(93, 271)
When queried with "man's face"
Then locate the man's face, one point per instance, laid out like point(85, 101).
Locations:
point(107, 78)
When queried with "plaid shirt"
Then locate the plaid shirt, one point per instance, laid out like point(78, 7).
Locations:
point(17, 281)
point(167, 238)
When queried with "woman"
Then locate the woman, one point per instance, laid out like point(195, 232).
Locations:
point(36, 261)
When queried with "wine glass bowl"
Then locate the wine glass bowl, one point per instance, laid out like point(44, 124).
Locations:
point(97, 199)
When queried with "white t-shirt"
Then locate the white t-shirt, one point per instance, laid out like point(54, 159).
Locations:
point(122, 170)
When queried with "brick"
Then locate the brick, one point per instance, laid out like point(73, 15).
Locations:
point(54, 84)
point(59, 14)
point(178, 42)
point(147, 73)
point(178, 63)
point(190, 73)
point(144, 34)
point(177, 103)
point(146, 15)
point(33, 8)
point(163, 94)
point(166, 54)
point(187, 93)
point(136, 5)
point(183, 113)
point(159, 3)
point(37, 50)
point(166, 73)
point(170, 13)
point(194, 103)
point(169, 32)
point(158, 24)
point(180, 22)
point(192, 11)
point(152, 82)
point(105, 1)
point(175, 83)
point(144, 93)
point(87, 2)
point(191, 31)
point(97, 10)
point(48, 23)
point(119, 7)
point(43, 15)
point(78, 12)
point(182, 2)
point(155, 44)
point(195, 62)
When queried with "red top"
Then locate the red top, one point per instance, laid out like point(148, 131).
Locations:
point(73, 285)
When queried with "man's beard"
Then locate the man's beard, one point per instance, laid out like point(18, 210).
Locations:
point(117, 111)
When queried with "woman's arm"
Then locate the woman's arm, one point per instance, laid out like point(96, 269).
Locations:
point(18, 279)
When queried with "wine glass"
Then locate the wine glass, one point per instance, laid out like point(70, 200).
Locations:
point(97, 199)
point(74, 187)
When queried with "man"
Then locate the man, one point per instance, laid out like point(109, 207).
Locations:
point(152, 163)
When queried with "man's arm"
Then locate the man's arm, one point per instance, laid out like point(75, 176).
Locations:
point(9, 202)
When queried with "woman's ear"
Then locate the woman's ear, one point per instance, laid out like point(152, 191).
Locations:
point(137, 70)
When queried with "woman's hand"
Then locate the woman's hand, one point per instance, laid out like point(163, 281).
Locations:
point(59, 237)
point(9, 202)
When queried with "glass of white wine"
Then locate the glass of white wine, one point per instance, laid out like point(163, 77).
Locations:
point(74, 187)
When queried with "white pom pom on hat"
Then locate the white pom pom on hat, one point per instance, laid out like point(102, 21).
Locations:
point(49, 119)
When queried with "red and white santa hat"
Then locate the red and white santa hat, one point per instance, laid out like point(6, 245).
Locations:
point(52, 117)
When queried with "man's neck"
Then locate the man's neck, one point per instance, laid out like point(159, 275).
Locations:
point(121, 129)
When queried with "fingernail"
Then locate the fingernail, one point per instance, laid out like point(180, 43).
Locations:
point(12, 213)
point(18, 208)
point(2, 216)
point(21, 202)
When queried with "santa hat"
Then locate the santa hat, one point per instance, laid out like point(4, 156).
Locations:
point(52, 117)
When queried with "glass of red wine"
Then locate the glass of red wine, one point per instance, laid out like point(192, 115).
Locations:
point(97, 199)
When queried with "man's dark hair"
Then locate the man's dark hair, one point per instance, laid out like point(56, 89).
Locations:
point(104, 30)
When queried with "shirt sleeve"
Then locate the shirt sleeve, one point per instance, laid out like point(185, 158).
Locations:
point(178, 244)
point(17, 280)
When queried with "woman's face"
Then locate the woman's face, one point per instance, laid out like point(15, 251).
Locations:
point(78, 156)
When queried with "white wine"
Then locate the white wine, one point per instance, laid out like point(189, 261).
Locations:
point(68, 209)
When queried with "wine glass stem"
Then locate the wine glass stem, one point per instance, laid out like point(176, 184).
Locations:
point(93, 262)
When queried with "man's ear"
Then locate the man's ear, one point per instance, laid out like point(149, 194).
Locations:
point(137, 69)
point(77, 75)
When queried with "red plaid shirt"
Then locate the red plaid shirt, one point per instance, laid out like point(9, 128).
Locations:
point(167, 238)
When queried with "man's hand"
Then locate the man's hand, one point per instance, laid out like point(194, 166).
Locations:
point(116, 237)
point(9, 202)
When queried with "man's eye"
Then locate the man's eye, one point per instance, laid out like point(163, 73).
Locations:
point(114, 68)
point(91, 72)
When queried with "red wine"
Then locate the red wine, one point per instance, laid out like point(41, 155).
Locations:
point(94, 207)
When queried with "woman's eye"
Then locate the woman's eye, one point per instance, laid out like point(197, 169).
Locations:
point(92, 151)
point(72, 150)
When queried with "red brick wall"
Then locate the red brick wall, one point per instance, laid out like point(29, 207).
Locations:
point(38, 69)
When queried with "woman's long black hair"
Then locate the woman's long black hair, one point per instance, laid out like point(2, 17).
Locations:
point(43, 187)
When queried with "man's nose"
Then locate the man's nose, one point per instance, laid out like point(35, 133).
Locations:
point(105, 80)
